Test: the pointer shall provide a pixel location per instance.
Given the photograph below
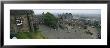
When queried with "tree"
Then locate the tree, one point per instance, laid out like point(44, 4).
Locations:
point(20, 12)
point(50, 20)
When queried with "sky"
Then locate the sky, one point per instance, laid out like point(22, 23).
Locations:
point(73, 11)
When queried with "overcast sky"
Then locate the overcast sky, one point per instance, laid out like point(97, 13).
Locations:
point(78, 11)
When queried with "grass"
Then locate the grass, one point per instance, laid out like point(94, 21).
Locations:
point(30, 35)
point(23, 35)
point(37, 35)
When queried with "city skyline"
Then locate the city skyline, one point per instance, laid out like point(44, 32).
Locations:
point(73, 11)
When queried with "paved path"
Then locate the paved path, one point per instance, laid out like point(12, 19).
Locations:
point(64, 34)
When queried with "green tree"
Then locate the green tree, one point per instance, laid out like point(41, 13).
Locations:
point(50, 20)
